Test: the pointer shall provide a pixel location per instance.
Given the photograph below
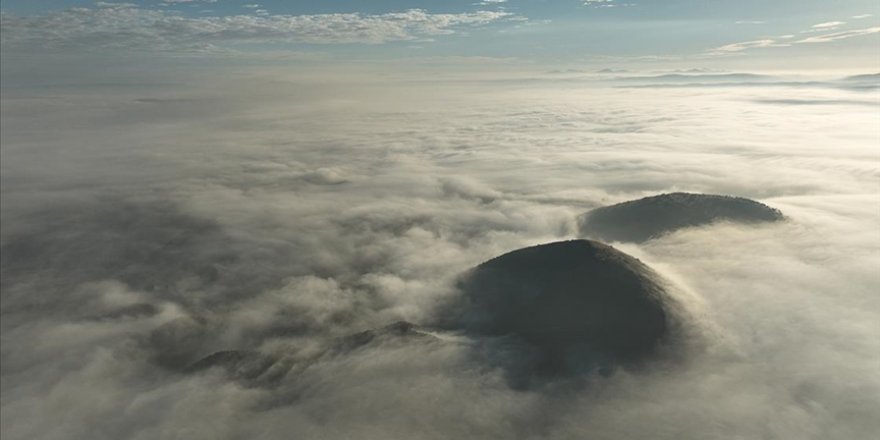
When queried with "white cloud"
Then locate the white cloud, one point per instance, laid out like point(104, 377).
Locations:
point(774, 42)
point(115, 5)
point(828, 25)
point(861, 16)
point(126, 27)
point(840, 35)
point(602, 3)
point(739, 47)
point(172, 2)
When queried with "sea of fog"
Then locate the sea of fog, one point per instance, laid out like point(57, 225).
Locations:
point(150, 222)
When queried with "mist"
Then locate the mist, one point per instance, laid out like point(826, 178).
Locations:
point(153, 217)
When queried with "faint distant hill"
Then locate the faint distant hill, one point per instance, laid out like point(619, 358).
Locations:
point(700, 78)
point(869, 81)
point(875, 77)
point(651, 217)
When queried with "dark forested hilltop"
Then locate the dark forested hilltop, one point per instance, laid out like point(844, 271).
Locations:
point(650, 217)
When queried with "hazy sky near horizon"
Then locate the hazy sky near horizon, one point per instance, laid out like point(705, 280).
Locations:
point(618, 33)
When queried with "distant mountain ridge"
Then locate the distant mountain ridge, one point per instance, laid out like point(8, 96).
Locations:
point(864, 77)
point(700, 77)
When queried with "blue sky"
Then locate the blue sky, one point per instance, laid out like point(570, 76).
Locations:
point(560, 31)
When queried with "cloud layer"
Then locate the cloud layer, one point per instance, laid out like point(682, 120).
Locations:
point(152, 219)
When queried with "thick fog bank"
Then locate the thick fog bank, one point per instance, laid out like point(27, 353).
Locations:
point(172, 245)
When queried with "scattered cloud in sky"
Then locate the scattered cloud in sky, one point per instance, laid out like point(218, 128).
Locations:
point(232, 29)
point(126, 27)
point(828, 25)
point(745, 45)
point(174, 2)
point(825, 38)
point(600, 3)
point(782, 40)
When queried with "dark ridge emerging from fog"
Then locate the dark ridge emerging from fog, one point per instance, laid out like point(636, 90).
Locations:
point(566, 307)
point(539, 313)
point(650, 217)
point(256, 368)
point(398, 331)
